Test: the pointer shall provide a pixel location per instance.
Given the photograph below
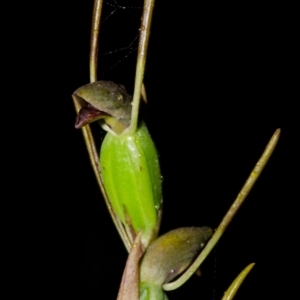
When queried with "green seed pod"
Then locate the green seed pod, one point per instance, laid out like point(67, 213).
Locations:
point(132, 180)
point(168, 256)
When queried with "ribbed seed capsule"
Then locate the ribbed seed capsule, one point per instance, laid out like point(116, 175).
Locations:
point(132, 180)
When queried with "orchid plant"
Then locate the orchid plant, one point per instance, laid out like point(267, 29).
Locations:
point(129, 176)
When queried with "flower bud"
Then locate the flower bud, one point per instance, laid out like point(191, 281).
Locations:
point(168, 256)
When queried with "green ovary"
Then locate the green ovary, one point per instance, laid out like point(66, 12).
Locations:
point(132, 180)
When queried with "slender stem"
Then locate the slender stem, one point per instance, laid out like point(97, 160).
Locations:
point(230, 214)
point(94, 39)
point(141, 61)
point(89, 140)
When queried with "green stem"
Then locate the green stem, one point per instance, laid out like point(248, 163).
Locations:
point(141, 61)
point(94, 39)
point(230, 214)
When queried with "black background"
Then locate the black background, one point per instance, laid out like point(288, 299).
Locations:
point(220, 80)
